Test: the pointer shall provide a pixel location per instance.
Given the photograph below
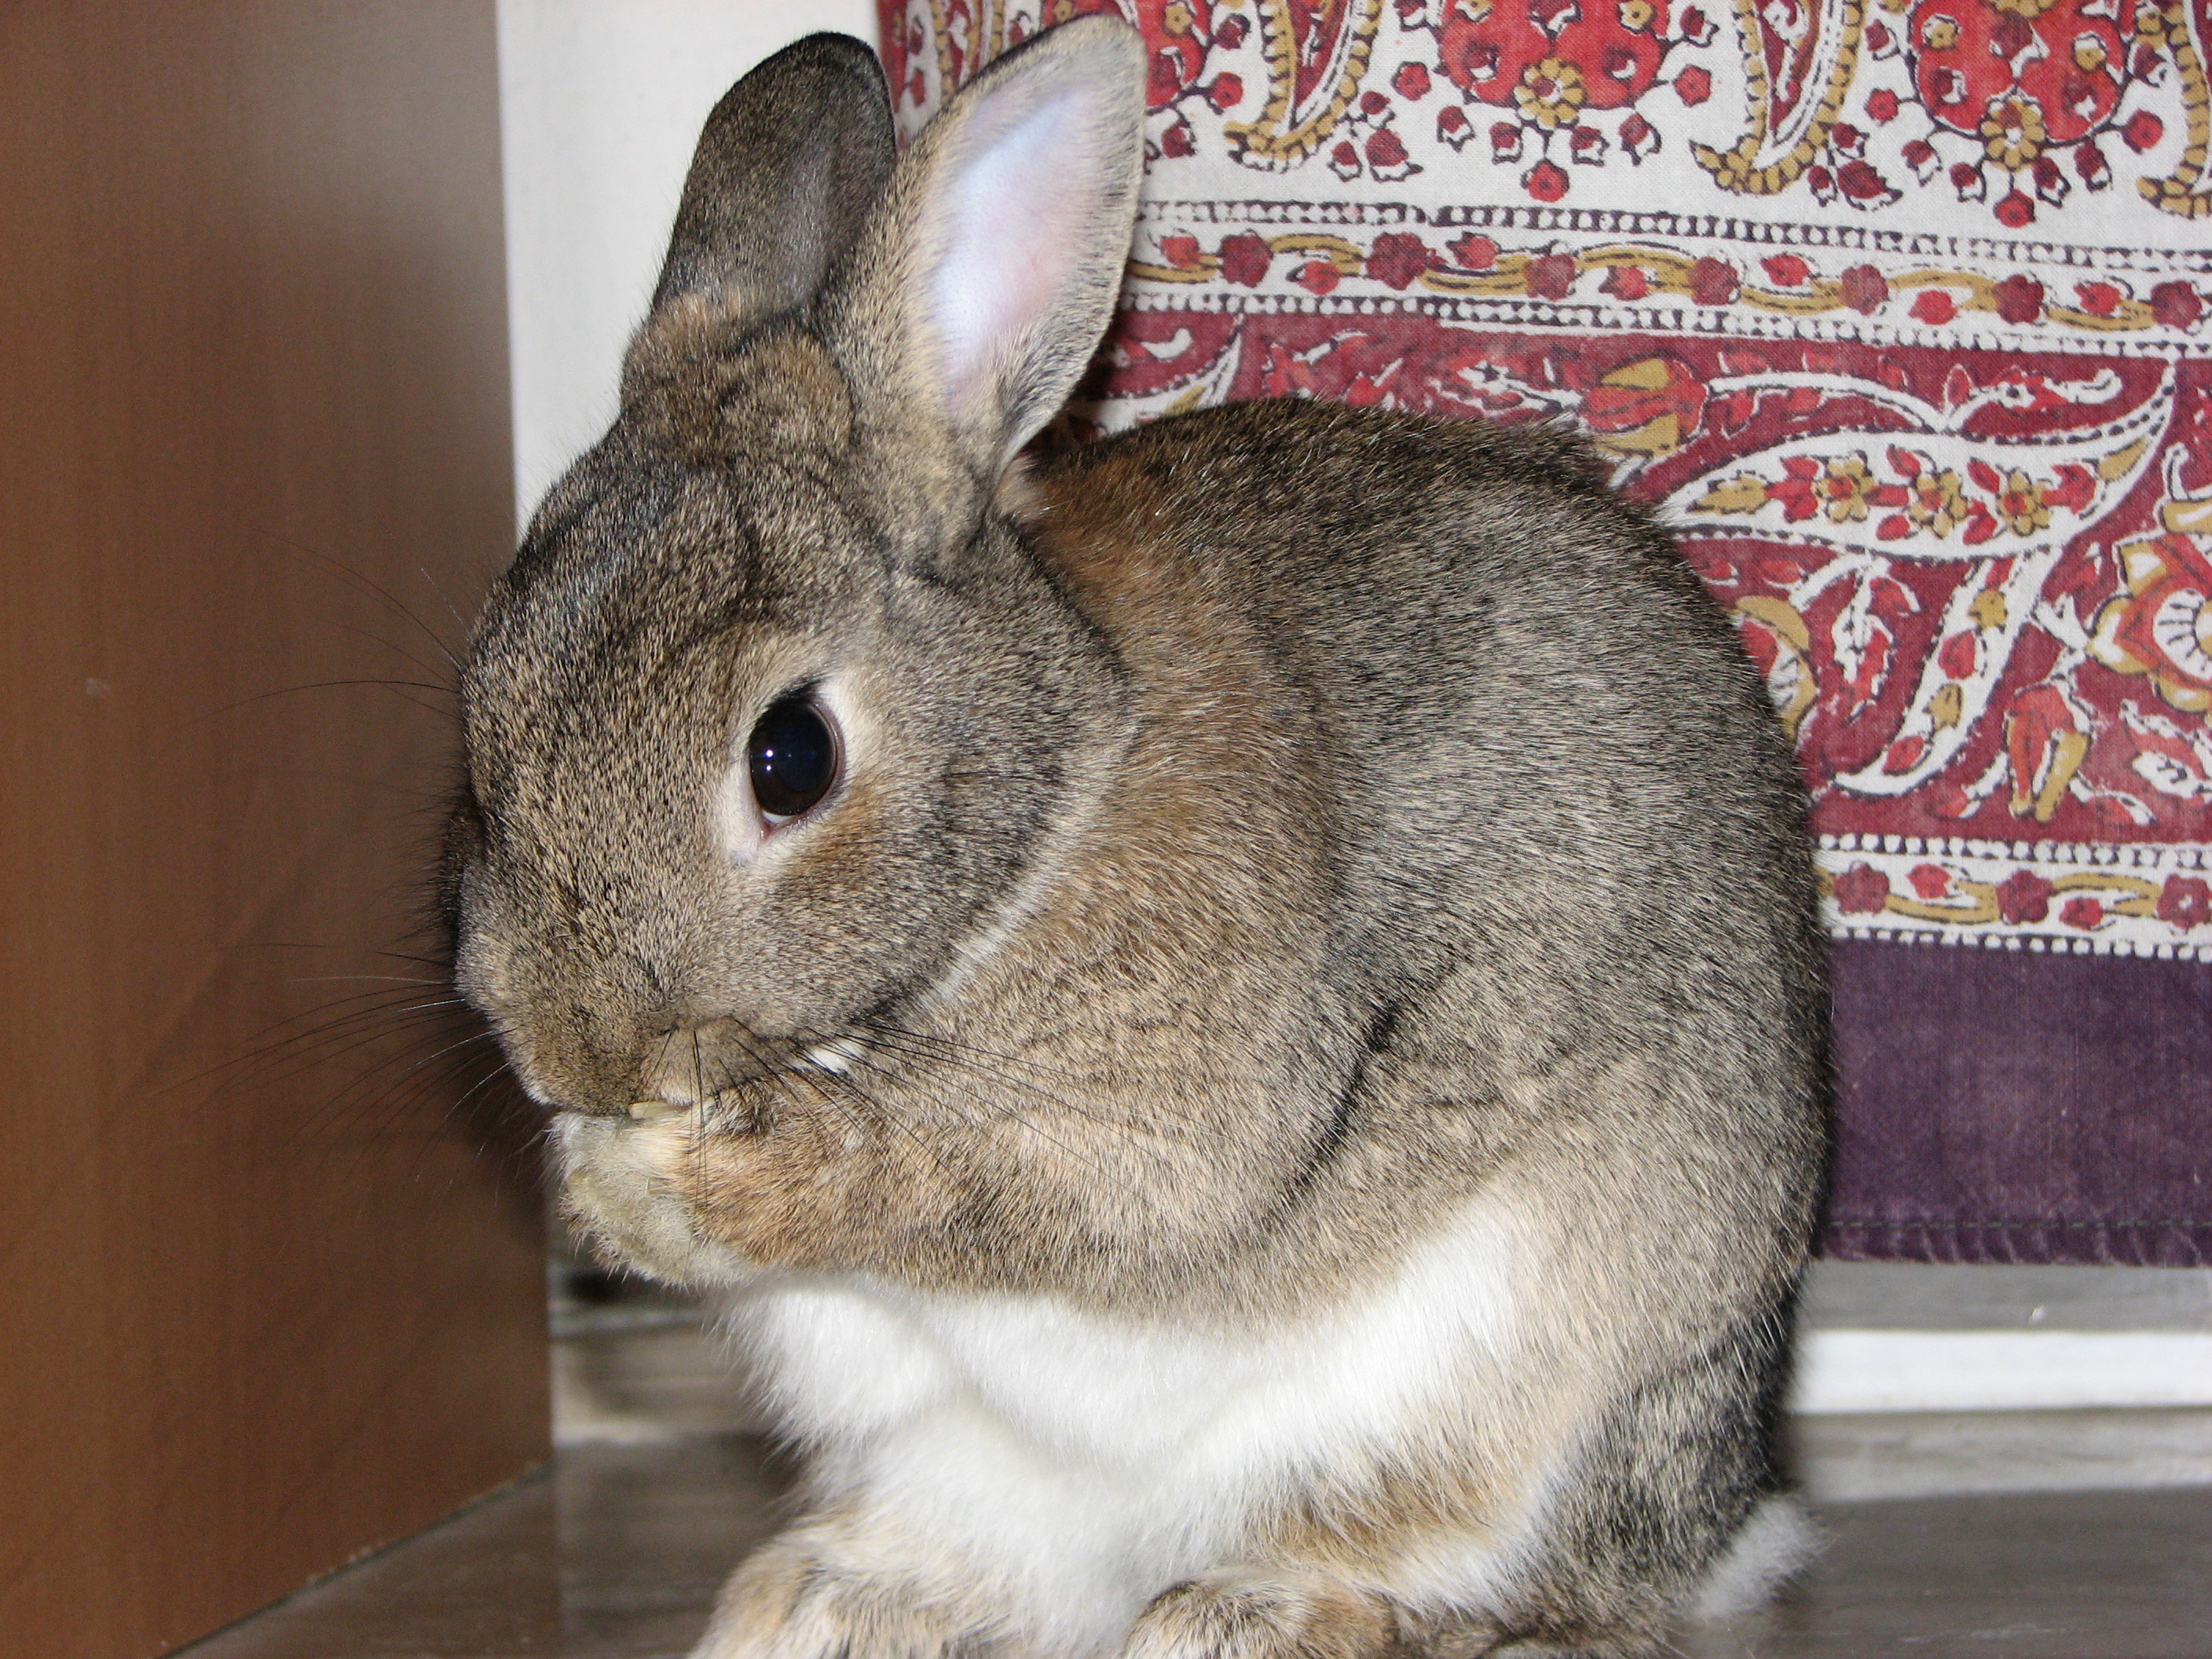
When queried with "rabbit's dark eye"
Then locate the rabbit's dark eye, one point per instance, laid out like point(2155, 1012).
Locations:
point(793, 751)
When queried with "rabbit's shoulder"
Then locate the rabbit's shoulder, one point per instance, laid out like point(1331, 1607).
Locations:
point(1401, 567)
point(1321, 515)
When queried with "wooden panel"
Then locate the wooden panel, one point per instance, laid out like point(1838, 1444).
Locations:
point(252, 370)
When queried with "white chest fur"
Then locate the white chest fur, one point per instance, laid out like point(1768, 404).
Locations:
point(1082, 1464)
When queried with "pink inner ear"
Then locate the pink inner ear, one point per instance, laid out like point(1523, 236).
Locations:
point(1014, 212)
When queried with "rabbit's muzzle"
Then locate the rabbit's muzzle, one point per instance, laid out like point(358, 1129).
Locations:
point(640, 1068)
point(732, 1074)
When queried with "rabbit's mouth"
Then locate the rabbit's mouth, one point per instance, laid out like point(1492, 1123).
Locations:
point(728, 1111)
point(737, 1106)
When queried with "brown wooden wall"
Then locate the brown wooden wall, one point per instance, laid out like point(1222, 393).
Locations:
point(252, 367)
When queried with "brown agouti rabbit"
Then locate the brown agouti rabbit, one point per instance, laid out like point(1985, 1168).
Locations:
point(1241, 1011)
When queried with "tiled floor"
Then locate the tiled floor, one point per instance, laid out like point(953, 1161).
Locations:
point(1983, 1535)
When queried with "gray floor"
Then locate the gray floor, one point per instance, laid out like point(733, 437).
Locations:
point(615, 1555)
point(2079, 1534)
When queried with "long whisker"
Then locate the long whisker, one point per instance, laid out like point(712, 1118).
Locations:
point(443, 599)
point(1027, 1120)
point(834, 1091)
point(764, 1062)
point(402, 651)
point(382, 593)
point(441, 963)
point(352, 1101)
point(326, 1051)
point(243, 1062)
point(398, 688)
point(480, 1145)
point(347, 979)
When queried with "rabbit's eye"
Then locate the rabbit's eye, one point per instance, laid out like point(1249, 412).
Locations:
point(794, 752)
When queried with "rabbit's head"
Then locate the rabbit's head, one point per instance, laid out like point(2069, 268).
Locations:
point(775, 709)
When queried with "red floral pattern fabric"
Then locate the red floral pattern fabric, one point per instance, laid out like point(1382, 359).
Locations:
point(1896, 310)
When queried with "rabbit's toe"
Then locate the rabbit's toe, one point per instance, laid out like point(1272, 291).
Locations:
point(788, 1602)
point(1252, 1613)
point(1622, 1643)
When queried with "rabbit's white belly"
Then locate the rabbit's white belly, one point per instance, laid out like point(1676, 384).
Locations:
point(1086, 1464)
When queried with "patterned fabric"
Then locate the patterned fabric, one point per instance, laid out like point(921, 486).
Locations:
point(1898, 313)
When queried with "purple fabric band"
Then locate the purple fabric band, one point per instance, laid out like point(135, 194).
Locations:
point(2005, 1106)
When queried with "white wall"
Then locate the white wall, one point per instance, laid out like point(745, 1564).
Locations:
point(601, 101)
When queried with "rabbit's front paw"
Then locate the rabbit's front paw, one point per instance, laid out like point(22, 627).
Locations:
point(1242, 1612)
point(622, 1185)
point(788, 1602)
point(1624, 1643)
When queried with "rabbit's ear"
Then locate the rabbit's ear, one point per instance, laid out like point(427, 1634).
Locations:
point(790, 163)
point(981, 291)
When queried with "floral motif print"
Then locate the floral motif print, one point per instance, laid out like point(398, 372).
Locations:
point(1626, 269)
point(1960, 890)
point(2036, 82)
point(1951, 481)
point(2161, 626)
point(2010, 106)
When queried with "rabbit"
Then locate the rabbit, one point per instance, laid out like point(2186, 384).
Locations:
point(1237, 1010)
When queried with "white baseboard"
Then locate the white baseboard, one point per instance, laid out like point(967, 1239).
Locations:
point(1908, 1371)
